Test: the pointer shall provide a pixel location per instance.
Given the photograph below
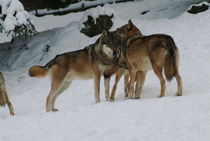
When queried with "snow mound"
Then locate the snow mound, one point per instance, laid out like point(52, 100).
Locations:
point(15, 14)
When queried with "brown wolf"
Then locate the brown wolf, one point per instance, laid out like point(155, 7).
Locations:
point(87, 63)
point(126, 32)
point(157, 52)
point(4, 99)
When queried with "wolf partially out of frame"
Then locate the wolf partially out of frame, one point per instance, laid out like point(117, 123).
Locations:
point(4, 98)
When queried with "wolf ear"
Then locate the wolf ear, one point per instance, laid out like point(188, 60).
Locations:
point(104, 32)
point(118, 32)
point(130, 24)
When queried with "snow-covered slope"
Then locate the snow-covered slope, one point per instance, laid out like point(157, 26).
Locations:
point(171, 118)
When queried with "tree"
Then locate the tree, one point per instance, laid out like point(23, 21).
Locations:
point(14, 20)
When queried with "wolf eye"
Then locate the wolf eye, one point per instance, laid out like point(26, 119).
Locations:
point(124, 31)
point(118, 31)
point(109, 43)
point(116, 42)
point(118, 51)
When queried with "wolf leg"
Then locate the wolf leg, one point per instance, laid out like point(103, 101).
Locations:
point(96, 80)
point(58, 75)
point(97, 88)
point(106, 85)
point(126, 77)
point(179, 84)
point(64, 86)
point(158, 72)
point(51, 98)
point(2, 97)
point(117, 79)
point(141, 75)
point(9, 104)
point(132, 73)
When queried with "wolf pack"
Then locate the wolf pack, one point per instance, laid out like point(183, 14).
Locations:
point(124, 52)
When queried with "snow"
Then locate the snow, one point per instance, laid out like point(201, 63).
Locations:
point(200, 4)
point(184, 118)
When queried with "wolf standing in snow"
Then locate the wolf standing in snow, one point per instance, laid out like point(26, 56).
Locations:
point(4, 99)
point(127, 31)
point(86, 63)
point(157, 52)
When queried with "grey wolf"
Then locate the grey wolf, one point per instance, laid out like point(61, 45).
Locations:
point(87, 63)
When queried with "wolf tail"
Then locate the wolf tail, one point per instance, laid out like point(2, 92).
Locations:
point(172, 59)
point(40, 71)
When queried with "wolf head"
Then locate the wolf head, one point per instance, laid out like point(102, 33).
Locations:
point(125, 32)
point(110, 44)
point(128, 30)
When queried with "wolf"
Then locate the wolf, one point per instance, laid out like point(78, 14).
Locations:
point(157, 52)
point(4, 99)
point(126, 33)
point(87, 63)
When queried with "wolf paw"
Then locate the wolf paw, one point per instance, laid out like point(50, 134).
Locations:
point(97, 101)
point(108, 98)
point(160, 96)
point(126, 98)
point(178, 94)
point(136, 97)
point(12, 113)
point(111, 100)
point(129, 97)
point(54, 110)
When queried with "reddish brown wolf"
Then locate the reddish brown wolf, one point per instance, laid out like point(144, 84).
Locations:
point(127, 31)
point(4, 99)
point(87, 63)
point(157, 52)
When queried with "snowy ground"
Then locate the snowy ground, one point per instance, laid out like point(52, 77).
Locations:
point(171, 118)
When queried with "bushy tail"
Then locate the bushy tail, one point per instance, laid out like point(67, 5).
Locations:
point(2, 98)
point(41, 71)
point(171, 62)
point(38, 71)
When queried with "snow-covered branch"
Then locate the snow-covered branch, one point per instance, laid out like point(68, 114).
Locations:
point(76, 7)
point(14, 20)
